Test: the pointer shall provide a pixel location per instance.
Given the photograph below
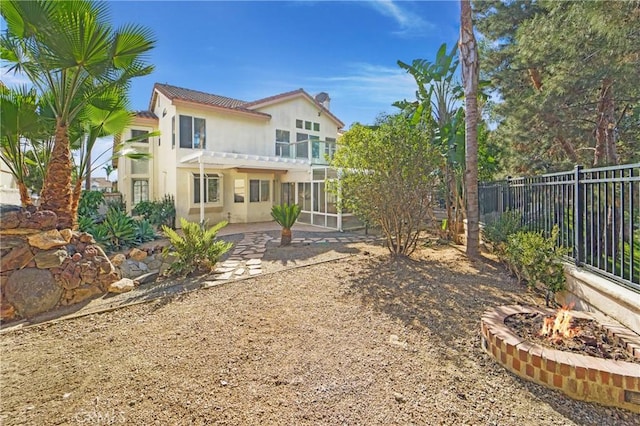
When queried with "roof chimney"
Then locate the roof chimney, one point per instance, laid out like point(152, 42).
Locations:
point(323, 99)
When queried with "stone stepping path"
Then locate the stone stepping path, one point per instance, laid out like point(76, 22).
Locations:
point(245, 259)
point(320, 240)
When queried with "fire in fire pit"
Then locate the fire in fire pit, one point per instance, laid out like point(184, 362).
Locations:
point(558, 327)
point(599, 363)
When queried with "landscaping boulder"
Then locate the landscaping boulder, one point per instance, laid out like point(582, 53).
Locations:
point(32, 291)
point(7, 311)
point(17, 258)
point(50, 258)
point(137, 254)
point(122, 286)
point(47, 240)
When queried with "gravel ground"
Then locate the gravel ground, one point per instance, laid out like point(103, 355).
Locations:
point(332, 336)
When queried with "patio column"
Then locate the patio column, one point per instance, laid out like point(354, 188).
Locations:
point(201, 190)
point(339, 200)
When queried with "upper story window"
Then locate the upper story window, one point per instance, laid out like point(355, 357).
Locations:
point(330, 147)
point(308, 125)
point(140, 166)
point(282, 143)
point(302, 145)
point(137, 134)
point(192, 132)
point(173, 132)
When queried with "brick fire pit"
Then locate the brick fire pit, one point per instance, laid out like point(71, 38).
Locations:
point(587, 378)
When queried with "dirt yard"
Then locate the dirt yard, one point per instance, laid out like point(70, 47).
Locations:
point(360, 340)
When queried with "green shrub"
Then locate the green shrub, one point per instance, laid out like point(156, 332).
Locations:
point(536, 259)
point(119, 228)
point(117, 205)
point(143, 208)
point(101, 235)
point(86, 223)
point(144, 231)
point(198, 249)
point(89, 203)
point(498, 232)
point(158, 213)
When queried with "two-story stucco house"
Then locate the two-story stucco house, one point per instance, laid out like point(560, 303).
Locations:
point(227, 159)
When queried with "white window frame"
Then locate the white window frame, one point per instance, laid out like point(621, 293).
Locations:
point(282, 144)
point(195, 180)
point(262, 197)
point(203, 138)
point(133, 191)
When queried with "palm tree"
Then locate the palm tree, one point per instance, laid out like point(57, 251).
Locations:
point(69, 49)
point(106, 115)
point(285, 215)
point(20, 123)
point(108, 169)
point(469, 57)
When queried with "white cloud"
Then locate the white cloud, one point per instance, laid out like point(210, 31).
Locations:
point(373, 83)
point(411, 25)
point(364, 90)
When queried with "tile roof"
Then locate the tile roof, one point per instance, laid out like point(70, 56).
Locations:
point(146, 114)
point(173, 92)
point(274, 97)
point(188, 95)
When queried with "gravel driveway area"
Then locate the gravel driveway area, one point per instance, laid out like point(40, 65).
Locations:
point(336, 336)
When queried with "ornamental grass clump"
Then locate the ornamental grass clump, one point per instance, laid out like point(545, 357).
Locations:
point(198, 249)
point(285, 215)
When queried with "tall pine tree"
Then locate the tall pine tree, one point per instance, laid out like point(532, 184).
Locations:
point(566, 75)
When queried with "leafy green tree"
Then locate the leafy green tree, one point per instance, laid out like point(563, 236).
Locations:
point(108, 169)
point(566, 75)
point(389, 176)
point(68, 49)
point(107, 115)
point(22, 126)
point(437, 102)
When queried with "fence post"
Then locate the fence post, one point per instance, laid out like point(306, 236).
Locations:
point(508, 195)
point(578, 215)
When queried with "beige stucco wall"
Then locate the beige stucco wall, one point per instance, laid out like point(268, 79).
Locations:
point(125, 170)
point(9, 193)
point(225, 132)
point(165, 158)
point(227, 209)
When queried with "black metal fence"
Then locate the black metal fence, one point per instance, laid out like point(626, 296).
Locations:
point(597, 212)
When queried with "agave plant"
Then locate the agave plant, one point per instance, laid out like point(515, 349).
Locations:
point(144, 231)
point(285, 215)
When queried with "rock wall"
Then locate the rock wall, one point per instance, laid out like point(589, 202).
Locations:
point(143, 264)
point(42, 268)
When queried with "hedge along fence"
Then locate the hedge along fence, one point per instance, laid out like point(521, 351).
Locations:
point(597, 212)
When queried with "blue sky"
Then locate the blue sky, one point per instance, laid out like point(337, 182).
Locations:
point(249, 50)
point(253, 49)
